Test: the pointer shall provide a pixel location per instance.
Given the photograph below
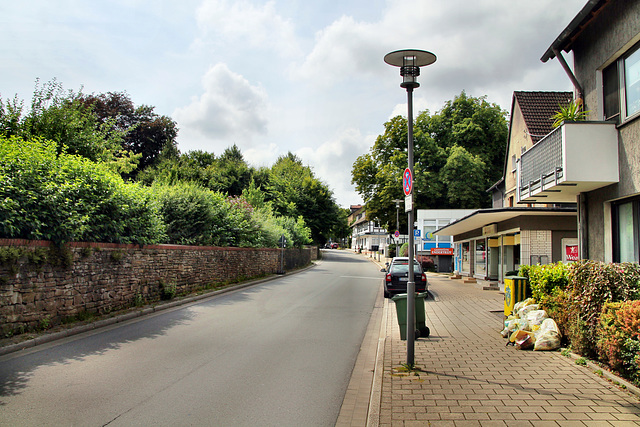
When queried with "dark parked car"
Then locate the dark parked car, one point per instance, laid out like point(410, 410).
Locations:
point(395, 281)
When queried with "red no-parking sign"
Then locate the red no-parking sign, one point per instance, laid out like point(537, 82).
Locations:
point(407, 182)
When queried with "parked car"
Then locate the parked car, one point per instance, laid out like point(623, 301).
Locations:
point(334, 246)
point(397, 276)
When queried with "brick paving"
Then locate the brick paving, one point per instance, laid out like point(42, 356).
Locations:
point(467, 376)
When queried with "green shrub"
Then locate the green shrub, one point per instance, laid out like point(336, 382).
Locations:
point(62, 198)
point(592, 284)
point(547, 279)
point(618, 342)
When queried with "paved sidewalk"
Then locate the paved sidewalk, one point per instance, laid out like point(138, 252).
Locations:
point(468, 377)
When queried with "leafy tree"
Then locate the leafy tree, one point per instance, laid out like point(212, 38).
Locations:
point(145, 132)
point(62, 117)
point(464, 178)
point(230, 174)
point(293, 190)
point(458, 154)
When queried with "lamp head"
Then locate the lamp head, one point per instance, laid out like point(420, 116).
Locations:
point(410, 61)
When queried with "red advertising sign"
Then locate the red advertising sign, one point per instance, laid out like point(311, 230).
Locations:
point(571, 252)
point(441, 251)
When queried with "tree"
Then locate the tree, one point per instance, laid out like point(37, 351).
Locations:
point(61, 116)
point(464, 176)
point(468, 132)
point(293, 190)
point(146, 133)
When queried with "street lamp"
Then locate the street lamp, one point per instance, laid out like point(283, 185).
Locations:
point(410, 61)
point(397, 201)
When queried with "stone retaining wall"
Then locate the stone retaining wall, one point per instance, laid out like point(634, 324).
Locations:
point(41, 285)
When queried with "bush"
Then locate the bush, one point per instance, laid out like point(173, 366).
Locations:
point(618, 342)
point(61, 197)
point(592, 284)
point(547, 279)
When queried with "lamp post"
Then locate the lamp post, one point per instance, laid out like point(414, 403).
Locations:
point(397, 219)
point(410, 61)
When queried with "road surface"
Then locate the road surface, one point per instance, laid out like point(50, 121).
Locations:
point(277, 354)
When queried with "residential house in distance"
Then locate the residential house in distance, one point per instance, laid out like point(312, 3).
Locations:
point(491, 243)
point(596, 163)
point(366, 235)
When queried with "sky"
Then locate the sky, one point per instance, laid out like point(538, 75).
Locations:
point(279, 76)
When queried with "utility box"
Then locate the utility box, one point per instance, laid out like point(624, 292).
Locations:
point(516, 289)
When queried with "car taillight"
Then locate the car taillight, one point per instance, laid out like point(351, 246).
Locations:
point(388, 278)
point(424, 277)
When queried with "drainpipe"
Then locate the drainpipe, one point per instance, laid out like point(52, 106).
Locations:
point(567, 70)
point(583, 231)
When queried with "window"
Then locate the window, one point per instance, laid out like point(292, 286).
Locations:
point(626, 231)
point(632, 82)
point(621, 87)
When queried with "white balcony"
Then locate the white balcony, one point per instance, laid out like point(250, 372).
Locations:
point(576, 157)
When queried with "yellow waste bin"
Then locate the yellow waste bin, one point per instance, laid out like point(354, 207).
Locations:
point(515, 290)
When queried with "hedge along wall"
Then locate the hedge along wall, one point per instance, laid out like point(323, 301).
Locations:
point(43, 285)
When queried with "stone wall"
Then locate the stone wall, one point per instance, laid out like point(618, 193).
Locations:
point(41, 285)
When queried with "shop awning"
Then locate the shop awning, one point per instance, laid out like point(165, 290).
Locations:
point(482, 217)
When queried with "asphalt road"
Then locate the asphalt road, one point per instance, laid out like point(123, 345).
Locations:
point(277, 354)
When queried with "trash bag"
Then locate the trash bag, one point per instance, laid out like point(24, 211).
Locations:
point(522, 313)
point(525, 341)
point(536, 317)
point(547, 325)
point(549, 340)
point(519, 335)
point(521, 304)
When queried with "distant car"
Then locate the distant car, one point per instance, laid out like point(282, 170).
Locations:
point(334, 246)
point(397, 276)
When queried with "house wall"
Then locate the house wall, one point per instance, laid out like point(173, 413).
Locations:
point(610, 35)
point(519, 138)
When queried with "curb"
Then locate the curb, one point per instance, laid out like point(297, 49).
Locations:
point(54, 336)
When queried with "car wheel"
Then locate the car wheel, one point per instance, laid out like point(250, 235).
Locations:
point(387, 294)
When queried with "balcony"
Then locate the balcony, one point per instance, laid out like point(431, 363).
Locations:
point(576, 157)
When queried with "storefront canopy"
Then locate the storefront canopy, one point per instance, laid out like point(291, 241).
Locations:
point(482, 217)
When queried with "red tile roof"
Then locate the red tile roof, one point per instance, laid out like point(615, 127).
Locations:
point(537, 109)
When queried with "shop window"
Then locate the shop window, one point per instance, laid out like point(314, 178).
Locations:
point(480, 258)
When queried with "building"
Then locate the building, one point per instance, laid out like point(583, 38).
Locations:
point(366, 235)
point(596, 163)
point(437, 247)
point(490, 244)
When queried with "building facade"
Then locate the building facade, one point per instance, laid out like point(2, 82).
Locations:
point(597, 164)
point(490, 244)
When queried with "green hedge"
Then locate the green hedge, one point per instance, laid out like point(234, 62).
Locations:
point(61, 197)
point(596, 307)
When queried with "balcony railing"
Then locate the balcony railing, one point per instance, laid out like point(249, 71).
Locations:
point(574, 158)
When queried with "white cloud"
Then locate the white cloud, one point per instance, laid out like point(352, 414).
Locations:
point(230, 108)
point(240, 22)
point(332, 162)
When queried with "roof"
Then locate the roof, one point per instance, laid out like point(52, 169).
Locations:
point(575, 27)
point(482, 217)
point(537, 109)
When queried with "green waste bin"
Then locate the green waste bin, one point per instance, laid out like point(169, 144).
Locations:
point(516, 289)
point(419, 315)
